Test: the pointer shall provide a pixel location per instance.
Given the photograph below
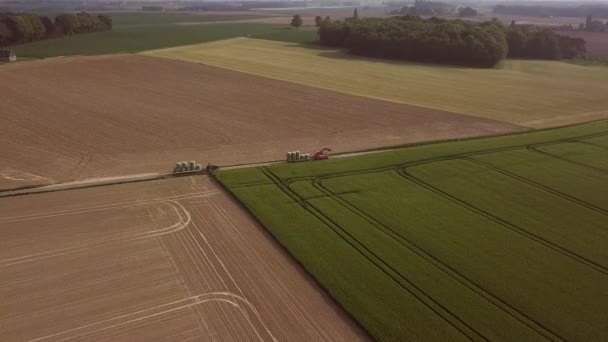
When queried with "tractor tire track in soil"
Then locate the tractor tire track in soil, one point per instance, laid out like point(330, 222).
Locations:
point(398, 166)
point(372, 257)
point(181, 261)
point(442, 266)
point(536, 150)
point(539, 186)
point(564, 251)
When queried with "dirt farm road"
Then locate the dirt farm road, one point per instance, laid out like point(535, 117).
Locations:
point(95, 182)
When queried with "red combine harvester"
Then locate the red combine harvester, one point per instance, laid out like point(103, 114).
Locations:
point(296, 156)
point(321, 154)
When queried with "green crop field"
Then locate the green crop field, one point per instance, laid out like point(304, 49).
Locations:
point(135, 32)
point(499, 238)
point(529, 93)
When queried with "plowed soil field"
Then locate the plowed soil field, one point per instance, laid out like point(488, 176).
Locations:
point(86, 117)
point(162, 260)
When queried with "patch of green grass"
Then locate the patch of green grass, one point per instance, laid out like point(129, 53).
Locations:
point(486, 239)
point(147, 31)
point(589, 155)
point(589, 61)
point(529, 93)
point(599, 141)
point(290, 35)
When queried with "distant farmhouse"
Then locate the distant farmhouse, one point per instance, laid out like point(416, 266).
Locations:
point(8, 56)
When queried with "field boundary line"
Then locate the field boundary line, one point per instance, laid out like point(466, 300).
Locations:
point(521, 124)
point(582, 141)
point(91, 183)
point(548, 189)
point(534, 148)
point(216, 256)
point(401, 165)
point(416, 293)
point(446, 269)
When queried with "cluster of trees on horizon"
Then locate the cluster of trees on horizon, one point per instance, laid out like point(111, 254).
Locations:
point(594, 25)
point(426, 7)
point(25, 27)
point(600, 11)
point(456, 42)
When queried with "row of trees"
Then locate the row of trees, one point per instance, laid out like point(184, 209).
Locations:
point(600, 11)
point(24, 27)
point(467, 12)
point(445, 41)
point(71, 23)
point(425, 7)
point(594, 25)
point(542, 44)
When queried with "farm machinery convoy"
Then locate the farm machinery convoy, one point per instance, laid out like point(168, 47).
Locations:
point(186, 167)
point(296, 156)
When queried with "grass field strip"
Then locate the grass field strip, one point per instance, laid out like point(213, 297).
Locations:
point(398, 166)
point(408, 220)
point(317, 194)
point(506, 224)
point(539, 185)
point(508, 93)
point(403, 282)
point(538, 150)
point(400, 278)
point(394, 274)
point(451, 272)
point(402, 170)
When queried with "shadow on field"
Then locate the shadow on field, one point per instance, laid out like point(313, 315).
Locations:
point(342, 54)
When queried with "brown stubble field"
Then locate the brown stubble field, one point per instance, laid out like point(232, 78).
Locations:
point(171, 259)
point(78, 118)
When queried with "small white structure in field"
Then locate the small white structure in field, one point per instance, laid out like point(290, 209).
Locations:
point(8, 56)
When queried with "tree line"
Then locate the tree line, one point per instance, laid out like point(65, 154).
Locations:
point(600, 11)
point(446, 41)
point(593, 25)
point(525, 42)
point(25, 27)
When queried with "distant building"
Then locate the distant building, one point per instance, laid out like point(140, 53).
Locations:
point(8, 56)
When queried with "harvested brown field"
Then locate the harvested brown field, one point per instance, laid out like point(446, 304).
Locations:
point(597, 42)
point(86, 117)
point(173, 259)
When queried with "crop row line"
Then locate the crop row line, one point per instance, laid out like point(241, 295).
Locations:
point(441, 266)
point(373, 258)
point(534, 149)
point(403, 172)
point(329, 194)
point(590, 143)
point(442, 158)
point(553, 191)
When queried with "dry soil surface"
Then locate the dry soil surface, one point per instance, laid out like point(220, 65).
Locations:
point(77, 118)
point(172, 259)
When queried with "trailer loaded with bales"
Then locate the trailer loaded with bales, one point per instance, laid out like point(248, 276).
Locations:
point(192, 167)
point(297, 156)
